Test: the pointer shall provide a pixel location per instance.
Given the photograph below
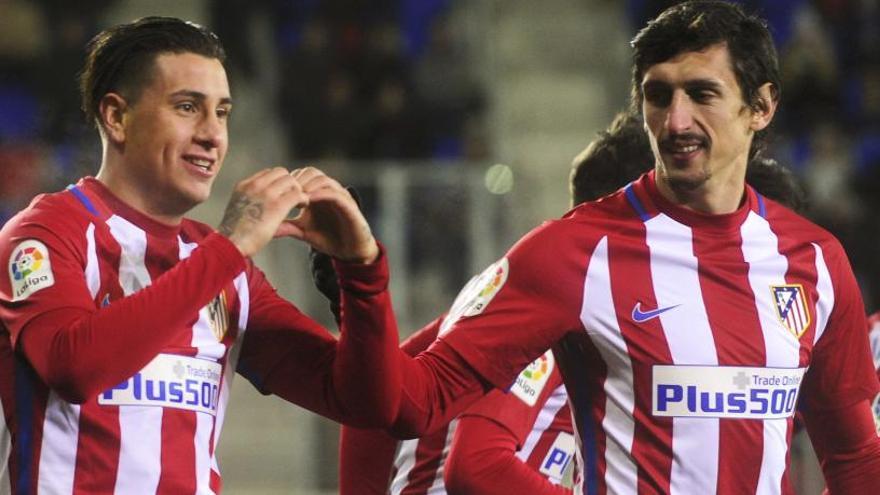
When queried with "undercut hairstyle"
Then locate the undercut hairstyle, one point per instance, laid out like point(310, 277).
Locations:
point(696, 25)
point(620, 154)
point(121, 59)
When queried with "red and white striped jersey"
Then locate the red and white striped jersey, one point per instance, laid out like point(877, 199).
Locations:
point(685, 340)
point(154, 422)
point(542, 427)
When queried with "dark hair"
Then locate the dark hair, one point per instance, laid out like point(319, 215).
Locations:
point(776, 182)
point(618, 156)
point(120, 59)
point(623, 152)
point(696, 25)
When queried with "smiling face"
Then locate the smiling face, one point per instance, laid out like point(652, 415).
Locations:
point(699, 126)
point(169, 141)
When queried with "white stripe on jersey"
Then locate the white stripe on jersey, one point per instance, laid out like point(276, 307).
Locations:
point(690, 341)
point(406, 457)
point(204, 340)
point(93, 269)
point(545, 418)
point(760, 248)
point(58, 448)
point(244, 303)
point(438, 486)
point(600, 319)
point(61, 419)
point(203, 337)
point(202, 440)
point(140, 427)
point(826, 294)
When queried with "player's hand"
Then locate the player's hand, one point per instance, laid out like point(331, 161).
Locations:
point(324, 275)
point(258, 206)
point(331, 221)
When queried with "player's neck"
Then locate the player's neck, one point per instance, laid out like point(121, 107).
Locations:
point(129, 193)
point(717, 196)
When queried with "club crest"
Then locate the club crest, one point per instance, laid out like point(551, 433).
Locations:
point(218, 315)
point(790, 302)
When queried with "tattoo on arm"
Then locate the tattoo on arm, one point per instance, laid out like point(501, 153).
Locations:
point(239, 207)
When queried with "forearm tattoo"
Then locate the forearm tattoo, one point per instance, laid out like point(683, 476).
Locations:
point(239, 207)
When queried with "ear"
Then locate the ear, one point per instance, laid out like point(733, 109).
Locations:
point(763, 114)
point(111, 116)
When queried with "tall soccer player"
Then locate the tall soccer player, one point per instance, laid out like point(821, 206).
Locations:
point(689, 315)
point(122, 322)
point(517, 440)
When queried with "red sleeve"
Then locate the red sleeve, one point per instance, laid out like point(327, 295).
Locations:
point(832, 383)
point(352, 380)
point(366, 461)
point(78, 349)
point(366, 457)
point(482, 460)
point(848, 448)
point(482, 456)
point(515, 409)
point(502, 320)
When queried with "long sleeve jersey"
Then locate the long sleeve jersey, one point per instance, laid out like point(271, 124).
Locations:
point(120, 337)
point(686, 341)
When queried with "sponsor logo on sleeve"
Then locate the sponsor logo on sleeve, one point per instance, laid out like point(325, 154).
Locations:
point(477, 294)
point(791, 307)
point(29, 269)
point(531, 381)
point(557, 465)
point(725, 391)
point(173, 381)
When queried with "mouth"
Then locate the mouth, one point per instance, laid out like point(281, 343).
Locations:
point(684, 147)
point(202, 165)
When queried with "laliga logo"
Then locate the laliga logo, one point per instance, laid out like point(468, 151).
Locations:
point(494, 284)
point(26, 262)
point(536, 368)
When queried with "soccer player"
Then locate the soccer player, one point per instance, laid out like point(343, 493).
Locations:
point(688, 313)
point(509, 441)
point(122, 322)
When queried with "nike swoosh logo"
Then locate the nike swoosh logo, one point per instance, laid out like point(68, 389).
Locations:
point(639, 316)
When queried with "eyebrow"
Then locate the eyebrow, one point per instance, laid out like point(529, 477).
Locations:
point(198, 95)
point(692, 84)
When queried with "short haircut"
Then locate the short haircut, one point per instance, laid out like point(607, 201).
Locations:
point(121, 59)
point(697, 25)
point(616, 157)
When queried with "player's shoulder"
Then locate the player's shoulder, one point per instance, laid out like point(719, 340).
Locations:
point(56, 212)
point(787, 223)
point(592, 217)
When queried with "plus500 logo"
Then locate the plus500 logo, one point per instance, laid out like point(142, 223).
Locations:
point(177, 382)
point(725, 392)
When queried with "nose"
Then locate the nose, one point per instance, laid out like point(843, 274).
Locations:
point(211, 131)
point(679, 116)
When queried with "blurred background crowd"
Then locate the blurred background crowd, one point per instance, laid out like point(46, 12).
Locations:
point(435, 109)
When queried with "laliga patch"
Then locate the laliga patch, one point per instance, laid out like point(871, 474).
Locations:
point(531, 381)
point(791, 307)
point(29, 269)
point(477, 294)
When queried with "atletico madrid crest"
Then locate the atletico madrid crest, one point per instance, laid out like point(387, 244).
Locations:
point(791, 307)
point(218, 316)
